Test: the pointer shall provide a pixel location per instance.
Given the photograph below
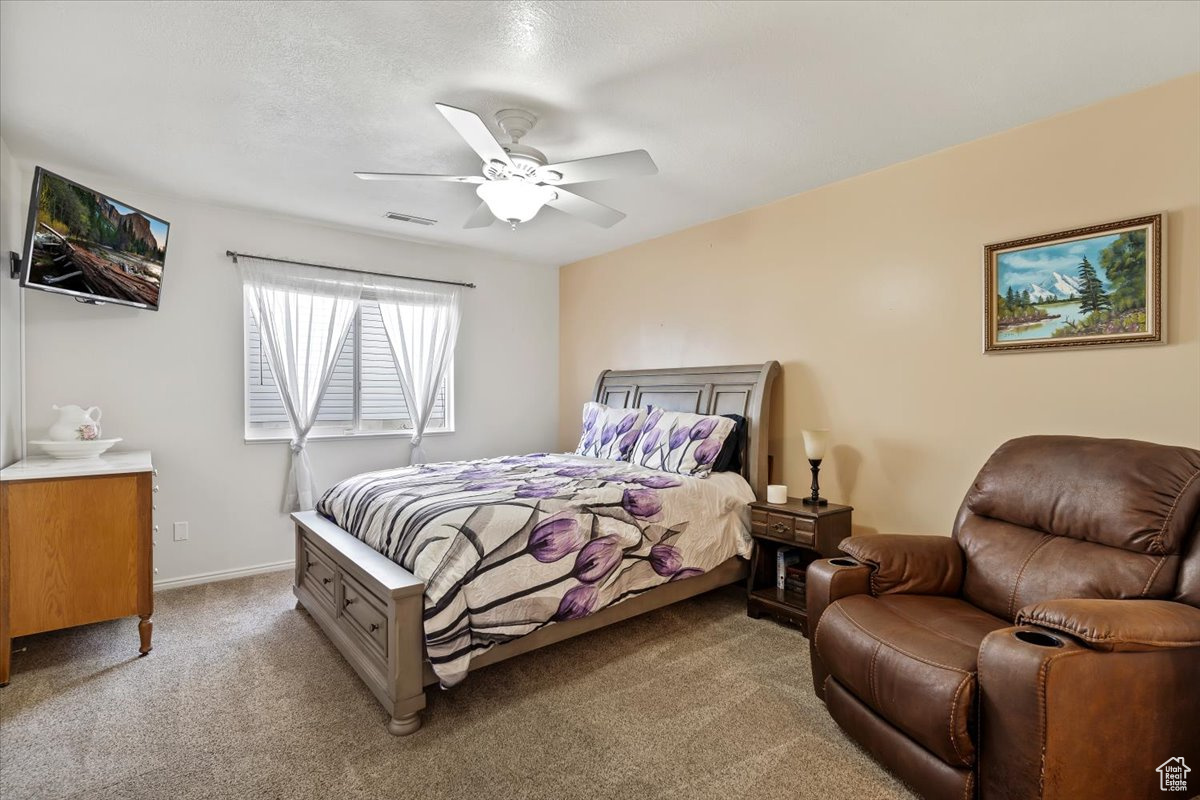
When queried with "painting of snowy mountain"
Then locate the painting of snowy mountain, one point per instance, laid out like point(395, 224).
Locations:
point(1099, 285)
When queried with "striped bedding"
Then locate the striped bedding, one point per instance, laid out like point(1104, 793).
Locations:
point(508, 545)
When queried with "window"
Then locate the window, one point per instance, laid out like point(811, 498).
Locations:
point(364, 396)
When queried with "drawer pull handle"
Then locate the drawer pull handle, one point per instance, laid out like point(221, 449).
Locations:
point(308, 564)
point(374, 627)
point(781, 527)
point(326, 580)
point(349, 600)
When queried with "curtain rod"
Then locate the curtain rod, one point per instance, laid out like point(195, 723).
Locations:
point(234, 255)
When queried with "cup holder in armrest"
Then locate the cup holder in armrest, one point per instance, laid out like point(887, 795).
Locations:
point(844, 562)
point(1038, 638)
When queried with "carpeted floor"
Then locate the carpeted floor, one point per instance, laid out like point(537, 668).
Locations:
point(243, 697)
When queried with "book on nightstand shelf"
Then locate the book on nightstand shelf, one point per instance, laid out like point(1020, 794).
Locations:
point(785, 557)
point(794, 579)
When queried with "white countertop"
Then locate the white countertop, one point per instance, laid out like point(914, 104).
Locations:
point(107, 464)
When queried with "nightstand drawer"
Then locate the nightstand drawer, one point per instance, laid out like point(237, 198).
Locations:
point(804, 531)
point(780, 526)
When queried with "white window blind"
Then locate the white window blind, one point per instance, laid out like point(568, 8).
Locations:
point(364, 395)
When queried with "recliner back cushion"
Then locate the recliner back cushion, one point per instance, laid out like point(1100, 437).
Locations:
point(1066, 516)
point(1008, 567)
point(1122, 493)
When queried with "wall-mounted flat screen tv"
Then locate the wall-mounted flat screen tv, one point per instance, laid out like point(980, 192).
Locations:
point(83, 243)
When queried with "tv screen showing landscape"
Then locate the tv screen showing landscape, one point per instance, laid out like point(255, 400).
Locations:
point(84, 243)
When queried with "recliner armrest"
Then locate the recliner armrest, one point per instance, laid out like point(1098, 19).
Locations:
point(903, 564)
point(1119, 625)
point(827, 581)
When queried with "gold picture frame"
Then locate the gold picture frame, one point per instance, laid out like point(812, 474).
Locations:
point(1096, 286)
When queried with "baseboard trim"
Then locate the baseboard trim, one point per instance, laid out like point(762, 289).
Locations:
point(223, 575)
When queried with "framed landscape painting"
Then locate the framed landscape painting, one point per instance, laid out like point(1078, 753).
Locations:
point(1100, 285)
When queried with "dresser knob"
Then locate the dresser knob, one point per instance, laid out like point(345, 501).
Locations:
point(374, 627)
point(348, 601)
point(308, 564)
point(326, 580)
point(780, 527)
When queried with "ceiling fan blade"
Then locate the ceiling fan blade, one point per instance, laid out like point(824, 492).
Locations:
point(580, 206)
point(471, 128)
point(599, 168)
point(412, 176)
point(481, 218)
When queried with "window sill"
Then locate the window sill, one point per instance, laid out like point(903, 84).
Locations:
point(274, 437)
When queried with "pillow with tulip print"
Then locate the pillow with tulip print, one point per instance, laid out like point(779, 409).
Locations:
point(675, 441)
point(609, 432)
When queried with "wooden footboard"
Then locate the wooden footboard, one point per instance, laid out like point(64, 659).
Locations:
point(371, 609)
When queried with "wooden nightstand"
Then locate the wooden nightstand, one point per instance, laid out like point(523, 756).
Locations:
point(813, 531)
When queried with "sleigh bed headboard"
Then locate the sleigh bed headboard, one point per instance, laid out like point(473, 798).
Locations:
point(744, 389)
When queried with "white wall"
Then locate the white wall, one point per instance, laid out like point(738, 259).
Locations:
point(12, 225)
point(172, 381)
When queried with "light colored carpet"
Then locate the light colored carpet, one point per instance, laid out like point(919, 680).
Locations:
point(243, 697)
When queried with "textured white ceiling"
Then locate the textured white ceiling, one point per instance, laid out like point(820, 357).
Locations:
point(272, 105)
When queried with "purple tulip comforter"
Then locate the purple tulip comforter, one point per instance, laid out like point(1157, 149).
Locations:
point(509, 545)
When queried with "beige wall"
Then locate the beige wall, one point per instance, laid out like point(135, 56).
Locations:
point(869, 292)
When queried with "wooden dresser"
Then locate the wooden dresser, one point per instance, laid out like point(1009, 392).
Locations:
point(76, 539)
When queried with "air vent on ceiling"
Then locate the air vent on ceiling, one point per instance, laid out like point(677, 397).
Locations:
point(396, 215)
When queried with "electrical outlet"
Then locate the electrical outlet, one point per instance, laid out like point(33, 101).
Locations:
point(181, 531)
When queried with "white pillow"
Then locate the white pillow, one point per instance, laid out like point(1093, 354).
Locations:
point(675, 441)
point(609, 432)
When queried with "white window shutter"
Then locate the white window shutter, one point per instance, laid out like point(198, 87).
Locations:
point(381, 401)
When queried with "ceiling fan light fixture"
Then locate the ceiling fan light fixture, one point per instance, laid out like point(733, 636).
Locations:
point(515, 201)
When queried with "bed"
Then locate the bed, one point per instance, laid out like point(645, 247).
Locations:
point(402, 634)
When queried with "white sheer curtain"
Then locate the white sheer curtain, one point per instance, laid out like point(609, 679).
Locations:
point(303, 314)
point(421, 320)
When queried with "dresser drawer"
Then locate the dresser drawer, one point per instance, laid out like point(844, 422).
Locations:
point(364, 612)
point(319, 577)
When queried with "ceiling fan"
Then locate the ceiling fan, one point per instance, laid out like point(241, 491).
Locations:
point(516, 182)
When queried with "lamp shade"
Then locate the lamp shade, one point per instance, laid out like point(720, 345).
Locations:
point(815, 442)
point(514, 200)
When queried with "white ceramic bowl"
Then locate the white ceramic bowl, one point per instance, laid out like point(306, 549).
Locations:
point(75, 449)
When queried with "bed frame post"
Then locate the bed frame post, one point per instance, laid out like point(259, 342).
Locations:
point(406, 663)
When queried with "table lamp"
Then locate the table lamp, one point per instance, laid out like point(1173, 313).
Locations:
point(815, 442)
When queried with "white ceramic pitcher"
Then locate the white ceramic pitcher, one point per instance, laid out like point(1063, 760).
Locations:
point(75, 424)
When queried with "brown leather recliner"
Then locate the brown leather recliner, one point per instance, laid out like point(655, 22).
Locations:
point(1049, 649)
